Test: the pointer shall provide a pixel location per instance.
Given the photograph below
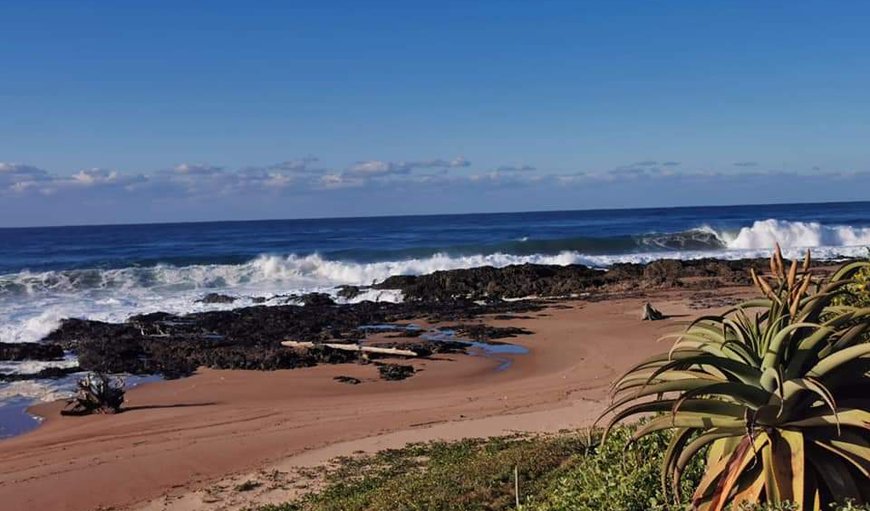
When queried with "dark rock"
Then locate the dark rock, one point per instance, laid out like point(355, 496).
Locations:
point(48, 373)
point(663, 272)
point(317, 300)
point(246, 338)
point(18, 351)
point(349, 292)
point(485, 333)
point(350, 380)
point(393, 372)
point(216, 298)
point(518, 281)
point(489, 283)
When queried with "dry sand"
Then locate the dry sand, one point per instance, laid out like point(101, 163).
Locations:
point(186, 444)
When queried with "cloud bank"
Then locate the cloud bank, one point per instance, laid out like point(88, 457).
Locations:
point(306, 187)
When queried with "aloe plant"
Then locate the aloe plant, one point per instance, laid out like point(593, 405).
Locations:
point(775, 393)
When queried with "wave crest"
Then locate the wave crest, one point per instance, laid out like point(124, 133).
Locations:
point(765, 233)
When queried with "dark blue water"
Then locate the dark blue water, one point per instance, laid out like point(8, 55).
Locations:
point(366, 240)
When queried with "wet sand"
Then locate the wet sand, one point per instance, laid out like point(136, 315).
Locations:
point(181, 439)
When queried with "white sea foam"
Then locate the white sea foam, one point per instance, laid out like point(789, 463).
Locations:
point(34, 366)
point(764, 233)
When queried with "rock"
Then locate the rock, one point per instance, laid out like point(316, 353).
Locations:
point(394, 372)
point(317, 300)
point(650, 313)
point(19, 351)
point(488, 283)
point(349, 292)
point(49, 373)
point(350, 380)
point(519, 281)
point(485, 333)
point(663, 272)
point(248, 337)
point(216, 298)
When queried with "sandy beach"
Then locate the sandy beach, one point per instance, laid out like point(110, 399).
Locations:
point(181, 441)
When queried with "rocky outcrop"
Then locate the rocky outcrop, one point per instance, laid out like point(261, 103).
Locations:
point(519, 281)
point(250, 337)
point(17, 351)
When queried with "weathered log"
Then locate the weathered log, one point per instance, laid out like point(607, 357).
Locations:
point(352, 347)
point(650, 313)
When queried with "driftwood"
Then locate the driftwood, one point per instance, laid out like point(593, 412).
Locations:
point(97, 393)
point(650, 313)
point(352, 347)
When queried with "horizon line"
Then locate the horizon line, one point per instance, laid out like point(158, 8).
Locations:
point(425, 215)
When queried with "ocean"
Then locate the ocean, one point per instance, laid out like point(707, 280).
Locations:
point(114, 271)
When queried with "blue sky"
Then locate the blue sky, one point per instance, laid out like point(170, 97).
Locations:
point(168, 111)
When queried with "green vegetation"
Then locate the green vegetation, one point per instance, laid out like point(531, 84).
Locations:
point(858, 293)
point(558, 472)
point(776, 401)
point(566, 471)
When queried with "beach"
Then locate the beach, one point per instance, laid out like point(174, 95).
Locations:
point(181, 439)
point(521, 322)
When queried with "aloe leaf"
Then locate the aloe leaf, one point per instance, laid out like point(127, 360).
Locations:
point(835, 360)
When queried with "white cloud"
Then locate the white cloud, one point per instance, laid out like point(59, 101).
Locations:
point(197, 169)
point(372, 168)
point(334, 181)
point(380, 168)
point(95, 176)
point(515, 168)
point(19, 178)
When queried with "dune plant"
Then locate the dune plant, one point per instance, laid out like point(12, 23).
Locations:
point(859, 292)
point(775, 393)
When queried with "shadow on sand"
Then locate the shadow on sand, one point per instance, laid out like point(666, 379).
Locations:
point(125, 409)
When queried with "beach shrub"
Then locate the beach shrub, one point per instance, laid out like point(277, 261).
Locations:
point(773, 394)
point(616, 474)
point(859, 292)
point(568, 471)
point(470, 474)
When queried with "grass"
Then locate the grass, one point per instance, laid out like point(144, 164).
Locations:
point(556, 473)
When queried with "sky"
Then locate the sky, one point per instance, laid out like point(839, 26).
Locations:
point(120, 112)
